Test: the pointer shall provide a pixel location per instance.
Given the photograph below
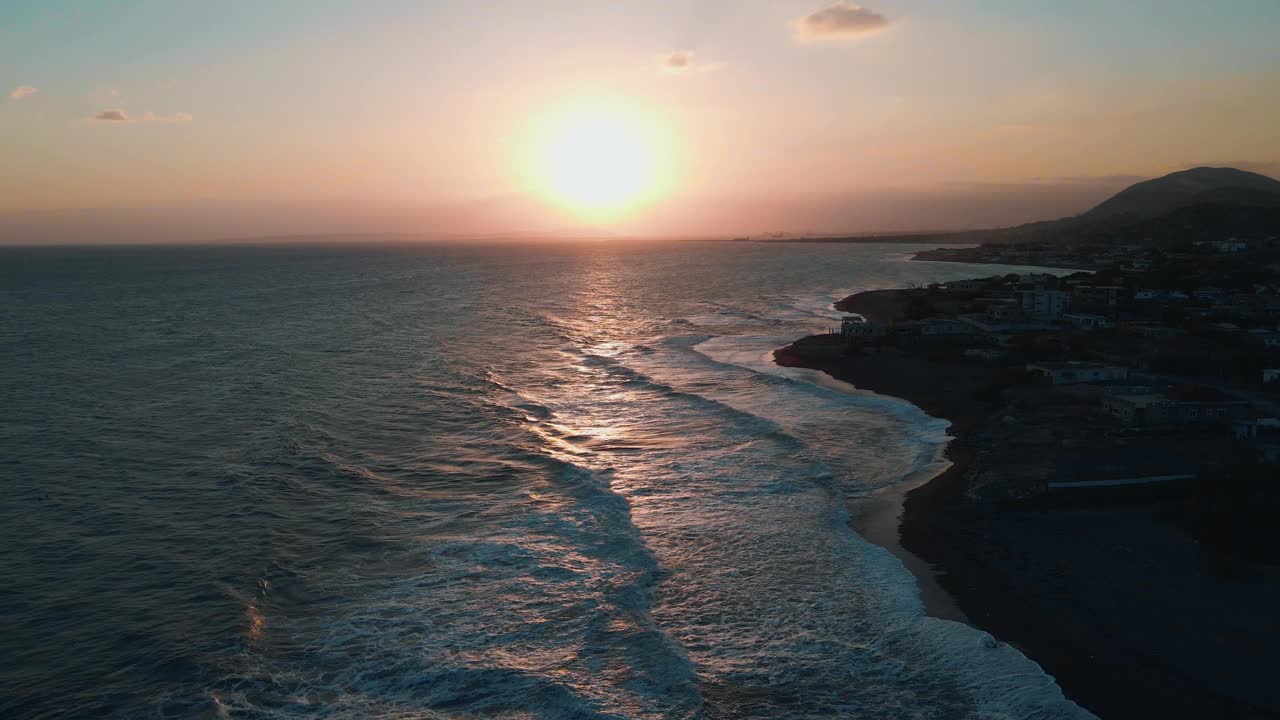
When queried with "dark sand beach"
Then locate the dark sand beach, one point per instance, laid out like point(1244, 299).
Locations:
point(1130, 615)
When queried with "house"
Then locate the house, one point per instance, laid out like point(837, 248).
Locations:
point(854, 327)
point(1231, 246)
point(1085, 321)
point(1270, 376)
point(1182, 405)
point(1147, 295)
point(1263, 434)
point(1044, 304)
point(1097, 295)
point(1070, 373)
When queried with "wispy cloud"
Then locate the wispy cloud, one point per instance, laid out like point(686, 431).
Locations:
point(120, 116)
point(841, 21)
point(23, 91)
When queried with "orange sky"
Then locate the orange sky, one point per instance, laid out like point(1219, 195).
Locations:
point(746, 117)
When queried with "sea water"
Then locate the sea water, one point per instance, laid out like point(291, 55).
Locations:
point(555, 480)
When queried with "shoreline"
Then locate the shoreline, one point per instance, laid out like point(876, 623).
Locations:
point(881, 517)
point(877, 518)
point(1001, 567)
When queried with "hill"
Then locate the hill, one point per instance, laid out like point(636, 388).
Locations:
point(1163, 195)
point(1204, 203)
point(1200, 203)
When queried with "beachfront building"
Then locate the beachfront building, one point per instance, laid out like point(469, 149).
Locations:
point(1183, 405)
point(856, 327)
point(1043, 304)
point(1071, 373)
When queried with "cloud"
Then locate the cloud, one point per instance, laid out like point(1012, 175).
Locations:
point(120, 116)
point(679, 60)
point(23, 91)
point(841, 21)
point(685, 61)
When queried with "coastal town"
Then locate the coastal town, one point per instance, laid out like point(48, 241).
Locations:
point(1115, 454)
point(1176, 349)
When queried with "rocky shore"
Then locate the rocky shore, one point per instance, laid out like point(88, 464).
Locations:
point(1130, 614)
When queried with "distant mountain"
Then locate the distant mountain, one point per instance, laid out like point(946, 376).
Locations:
point(1163, 195)
point(1201, 203)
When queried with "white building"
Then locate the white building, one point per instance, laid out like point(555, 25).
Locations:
point(1044, 304)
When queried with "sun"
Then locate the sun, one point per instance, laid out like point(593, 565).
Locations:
point(601, 159)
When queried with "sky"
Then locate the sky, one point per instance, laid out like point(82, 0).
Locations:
point(172, 119)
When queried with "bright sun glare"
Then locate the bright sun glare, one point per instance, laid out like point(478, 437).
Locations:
point(601, 160)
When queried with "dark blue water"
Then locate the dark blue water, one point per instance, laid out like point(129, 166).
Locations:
point(553, 481)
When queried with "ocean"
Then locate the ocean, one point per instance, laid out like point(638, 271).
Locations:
point(510, 481)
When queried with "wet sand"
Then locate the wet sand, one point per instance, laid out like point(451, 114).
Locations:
point(878, 518)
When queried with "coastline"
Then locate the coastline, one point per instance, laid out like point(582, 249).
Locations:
point(878, 519)
point(998, 567)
